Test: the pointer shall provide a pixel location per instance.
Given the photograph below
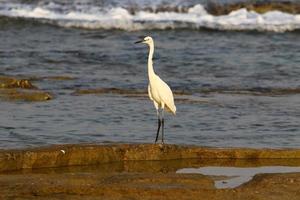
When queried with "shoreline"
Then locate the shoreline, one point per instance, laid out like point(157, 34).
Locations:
point(141, 171)
point(93, 154)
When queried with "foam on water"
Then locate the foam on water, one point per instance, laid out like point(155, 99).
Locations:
point(196, 17)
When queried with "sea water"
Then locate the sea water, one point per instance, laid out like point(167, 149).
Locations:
point(239, 73)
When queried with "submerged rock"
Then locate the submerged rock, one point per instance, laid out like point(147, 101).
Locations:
point(10, 82)
point(24, 95)
point(12, 89)
point(109, 91)
point(258, 91)
point(52, 78)
point(129, 92)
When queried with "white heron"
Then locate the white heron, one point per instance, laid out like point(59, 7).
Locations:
point(159, 92)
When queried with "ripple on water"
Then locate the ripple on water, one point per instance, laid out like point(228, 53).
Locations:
point(231, 88)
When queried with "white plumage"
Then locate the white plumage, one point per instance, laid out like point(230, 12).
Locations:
point(159, 92)
point(161, 95)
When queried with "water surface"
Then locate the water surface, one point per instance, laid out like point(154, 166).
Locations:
point(232, 177)
point(241, 87)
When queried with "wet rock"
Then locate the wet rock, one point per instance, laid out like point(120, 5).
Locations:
point(24, 95)
point(128, 92)
point(14, 89)
point(257, 6)
point(259, 91)
point(142, 171)
point(59, 78)
point(110, 186)
point(218, 7)
point(10, 82)
point(52, 78)
point(142, 186)
point(76, 155)
point(187, 96)
point(109, 91)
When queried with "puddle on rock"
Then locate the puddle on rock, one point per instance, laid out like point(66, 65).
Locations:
point(222, 173)
point(231, 177)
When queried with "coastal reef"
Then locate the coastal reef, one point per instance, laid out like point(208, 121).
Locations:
point(140, 171)
point(12, 88)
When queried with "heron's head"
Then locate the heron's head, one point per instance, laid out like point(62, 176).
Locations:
point(145, 39)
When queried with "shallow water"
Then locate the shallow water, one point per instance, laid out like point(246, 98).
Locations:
point(236, 176)
point(241, 87)
point(225, 173)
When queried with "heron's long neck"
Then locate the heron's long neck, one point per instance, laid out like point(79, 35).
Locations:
point(150, 62)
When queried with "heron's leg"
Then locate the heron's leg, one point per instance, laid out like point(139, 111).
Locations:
point(162, 126)
point(159, 124)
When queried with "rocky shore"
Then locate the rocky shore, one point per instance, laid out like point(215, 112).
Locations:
point(257, 6)
point(218, 8)
point(13, 88)
point(18, 88)
point(140, 171)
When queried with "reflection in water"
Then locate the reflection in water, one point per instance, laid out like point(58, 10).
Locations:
point(235, 176)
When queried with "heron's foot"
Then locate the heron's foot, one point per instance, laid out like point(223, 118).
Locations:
point(160, 144)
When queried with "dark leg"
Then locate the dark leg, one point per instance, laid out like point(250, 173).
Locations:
point(163, 125)
point(162, 133)
point(159, 123)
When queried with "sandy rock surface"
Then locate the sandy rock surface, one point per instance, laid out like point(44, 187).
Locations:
point(140, 171)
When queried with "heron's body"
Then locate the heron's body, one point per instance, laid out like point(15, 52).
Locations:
point(159, 92)
point(158, 96)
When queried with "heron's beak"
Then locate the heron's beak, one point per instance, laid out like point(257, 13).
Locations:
point(139, 41)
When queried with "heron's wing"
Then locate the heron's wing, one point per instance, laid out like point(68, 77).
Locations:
point(150, 96)
point(149, 93)
point(166, 95)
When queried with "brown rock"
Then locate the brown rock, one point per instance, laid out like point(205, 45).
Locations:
point(59, 78)
point(129, 92)
point(24, 95)
point(259, 7)
point(254, 91)
point(10, 82)
point(89, 154)
point(12, 89)
point(143, 171)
